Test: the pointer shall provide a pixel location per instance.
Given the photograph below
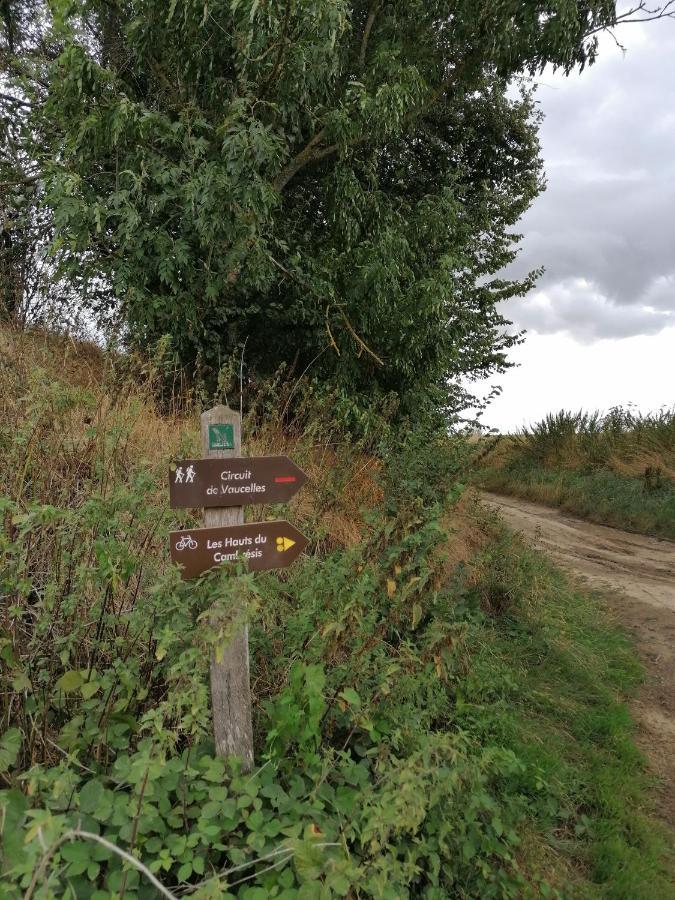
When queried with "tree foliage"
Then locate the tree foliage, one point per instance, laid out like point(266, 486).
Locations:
point(330, 183)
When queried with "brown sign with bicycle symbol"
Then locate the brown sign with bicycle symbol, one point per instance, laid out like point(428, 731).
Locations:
point(263, 545)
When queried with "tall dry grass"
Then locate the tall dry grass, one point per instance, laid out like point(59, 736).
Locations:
point(75, 419)
point(86, 440)
point(621, 440)
point(616, 468)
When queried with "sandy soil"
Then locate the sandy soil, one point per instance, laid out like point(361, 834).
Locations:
point(639, 573)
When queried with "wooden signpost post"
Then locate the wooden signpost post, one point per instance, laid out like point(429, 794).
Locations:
point(223, 483)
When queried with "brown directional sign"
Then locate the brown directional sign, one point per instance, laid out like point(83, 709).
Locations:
point(234, 482)
point(264, 545)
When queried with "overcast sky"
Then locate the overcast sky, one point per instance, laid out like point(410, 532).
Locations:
point(601, 323)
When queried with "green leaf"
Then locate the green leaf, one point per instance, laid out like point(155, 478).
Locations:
point(21, 682)
point(255, 893)
point(92, 871)
point(468, 849)
point(185, 871)
point(211, 809)
point(76, 852)
point(90, 796)
point(350, 696)
point(340, 884)
point(70, 681)
point(89, 688)
point(10, 744)
point(308, 861)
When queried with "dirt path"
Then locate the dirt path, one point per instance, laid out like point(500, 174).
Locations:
point(640, 574)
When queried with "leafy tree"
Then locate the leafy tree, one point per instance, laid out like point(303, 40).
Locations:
point(30, 290)
point(331, 183)
point(15, 187)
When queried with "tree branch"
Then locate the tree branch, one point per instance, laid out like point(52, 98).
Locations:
point(89, 836)
point(298, 161)
point(16, 100)
point(6, 184)
point(366, 34)
point(280, 53)
point(311, 155)
point(359, 340)
point(638, 14)
point(134, 831)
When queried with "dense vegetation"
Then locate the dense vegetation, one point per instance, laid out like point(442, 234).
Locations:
point(616, 469)
point(438, 712)
point(330, 183)
point(307, 205)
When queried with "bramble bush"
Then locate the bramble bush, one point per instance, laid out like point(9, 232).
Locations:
point(395, 692)
point(346, 739)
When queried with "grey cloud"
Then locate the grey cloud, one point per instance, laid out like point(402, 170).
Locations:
point(605, 227)
point(577, 307)
point(661, 292)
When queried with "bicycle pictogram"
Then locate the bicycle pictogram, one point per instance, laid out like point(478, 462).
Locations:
point(186, 542)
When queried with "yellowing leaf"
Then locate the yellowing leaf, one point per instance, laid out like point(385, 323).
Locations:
point(35, 828)
point(350, 696)
point(391, 587)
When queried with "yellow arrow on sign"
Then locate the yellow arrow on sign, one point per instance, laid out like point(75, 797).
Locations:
point(284, 543)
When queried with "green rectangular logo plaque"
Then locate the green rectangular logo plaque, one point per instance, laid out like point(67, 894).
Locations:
point(221, 437)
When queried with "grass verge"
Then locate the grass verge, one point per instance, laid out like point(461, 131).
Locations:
point(566, 674)
point(615, 469)
point(605, 497)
